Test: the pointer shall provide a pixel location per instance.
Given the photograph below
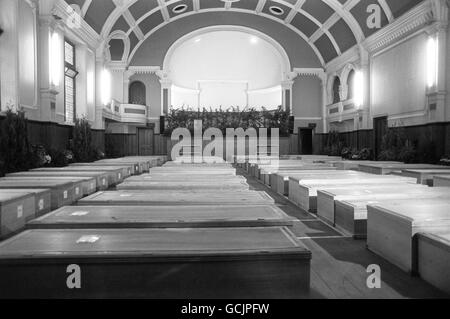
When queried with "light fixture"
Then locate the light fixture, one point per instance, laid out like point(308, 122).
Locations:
point(106, 86)
point(55, 60)
point(198, 40)
point(432, 62)
point(276, 10)
point(179, 8)
point(254, 40)
point(358, 89)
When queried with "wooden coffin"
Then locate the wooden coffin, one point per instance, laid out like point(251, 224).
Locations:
point(192, 171)
point(425, 176)
point(183, 177)
point(43, 199)
point(391, 228)
point(266, 175)
point(62, 192)
point(138, 166)
point(433, 259)
point(279, 181)
point(385, 169)
point(15, 210)
point(205, 263)
point(161, 198)
point(127, 169)
point(347, 165)
point(83, 186)
point(93, 217)
point(101, 178)
point(326, 197)
point(303, 192)
point(115, 174)
point(441, 181)
point(217, 185)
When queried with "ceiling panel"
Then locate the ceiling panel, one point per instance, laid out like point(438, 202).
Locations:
point(246, 4)
point(326, 48)
point(304, 24)
point(98, 13)
point(318, 9)
point(399, 7)
point(361, 15)
point(343, 35)
point(151, 22)
point(141, 7)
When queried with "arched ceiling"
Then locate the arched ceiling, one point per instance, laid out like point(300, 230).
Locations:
point(331, 27)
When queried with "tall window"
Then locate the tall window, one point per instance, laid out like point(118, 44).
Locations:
point(69, 82)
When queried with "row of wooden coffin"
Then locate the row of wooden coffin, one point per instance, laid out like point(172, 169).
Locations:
point(355, 203)
point(158, 244)
point(26, 195)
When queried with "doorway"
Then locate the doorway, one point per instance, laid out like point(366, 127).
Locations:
point(145, 141)
point(380, 125)
point(305, 141)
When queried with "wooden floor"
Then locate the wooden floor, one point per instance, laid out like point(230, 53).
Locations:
point(339, 263)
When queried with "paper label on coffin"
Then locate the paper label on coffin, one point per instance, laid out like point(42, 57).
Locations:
point(41, 204)
point(19, 211)
point(88, 239)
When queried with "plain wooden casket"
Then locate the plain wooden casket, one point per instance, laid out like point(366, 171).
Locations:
point(425, 176)
point(102, 182)
point(43, 198)
point(128, 169)
point(191, 263)
point(384, 169)
point(391, 228)
point(15, 210)
point(161, 198)
point(326, 197)
point(441, 181)
point(83, 186)
point(186, 185)
point(279, 181)
point(303, 192)
point(192, 171)
point(62, 192)
point(88, 217)
point(182, 177)
point(138, 166)
point(346, 165)
point(115, 174)
point(266, 175)
point(433, 259)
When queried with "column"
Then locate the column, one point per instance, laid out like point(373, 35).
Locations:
point(286, 87)
point(364, 110)
point(166, 91)
point(99, 122)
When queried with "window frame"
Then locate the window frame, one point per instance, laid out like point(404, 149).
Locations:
point(68, 67)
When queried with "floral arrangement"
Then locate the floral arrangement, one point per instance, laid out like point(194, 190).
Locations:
point(232, 117)
point(357, 155)
point(396, 146)
point(445, 160)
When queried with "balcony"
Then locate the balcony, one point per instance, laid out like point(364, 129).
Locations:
point(126, 113)
point(342, 111)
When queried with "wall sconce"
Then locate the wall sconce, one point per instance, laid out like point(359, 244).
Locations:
point(55, 61)
point(358, 88)
point(432, 62)
point(106, 86)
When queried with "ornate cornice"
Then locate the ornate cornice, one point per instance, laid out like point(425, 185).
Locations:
point(84, 31)
point(420, 16)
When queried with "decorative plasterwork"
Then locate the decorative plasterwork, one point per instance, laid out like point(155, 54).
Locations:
point(284, 58)
point(420, 16)
point(318, 72)
point(84, 31)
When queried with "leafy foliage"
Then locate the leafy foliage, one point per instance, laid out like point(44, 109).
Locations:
point(82, 141)
point(396, 146)
point(15, 151)
point(334, 144)
point(230, 118)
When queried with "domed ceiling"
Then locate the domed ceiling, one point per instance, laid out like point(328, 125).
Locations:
point(331, 27)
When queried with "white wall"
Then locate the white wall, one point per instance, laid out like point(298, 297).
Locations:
point(224, 65)
point(399, 81)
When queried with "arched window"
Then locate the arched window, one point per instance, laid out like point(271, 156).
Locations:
point(137, 93)
point(351, 85)
point(336, 89)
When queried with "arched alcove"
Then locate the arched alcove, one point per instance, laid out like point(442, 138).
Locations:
point(226, 66)
point(137, 93)
point(336, 90)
